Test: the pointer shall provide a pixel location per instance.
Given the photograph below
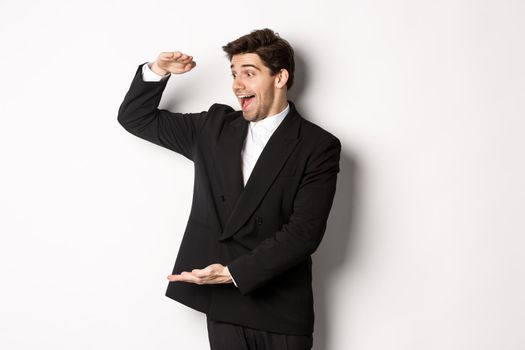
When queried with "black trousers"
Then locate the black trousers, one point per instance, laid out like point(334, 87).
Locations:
point(227, 336)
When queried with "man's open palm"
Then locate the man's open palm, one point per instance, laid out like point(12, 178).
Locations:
point(212, 274)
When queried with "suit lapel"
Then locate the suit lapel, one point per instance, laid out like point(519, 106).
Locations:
point(228, 155)
point(270, 162)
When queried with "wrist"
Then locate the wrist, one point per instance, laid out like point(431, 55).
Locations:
point(157, 70)
point(226, 273)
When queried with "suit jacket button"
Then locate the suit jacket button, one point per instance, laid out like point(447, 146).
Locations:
point(258, 220)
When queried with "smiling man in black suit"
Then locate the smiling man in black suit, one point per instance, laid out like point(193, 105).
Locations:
point(264, 183)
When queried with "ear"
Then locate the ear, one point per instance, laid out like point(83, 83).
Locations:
point(281, 78)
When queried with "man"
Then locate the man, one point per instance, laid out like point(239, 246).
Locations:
point(264, 184)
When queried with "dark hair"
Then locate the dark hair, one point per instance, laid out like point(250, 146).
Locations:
point(275, 52)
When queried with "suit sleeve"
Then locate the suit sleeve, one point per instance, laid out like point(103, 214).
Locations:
point(301, 236)
point(139, 114)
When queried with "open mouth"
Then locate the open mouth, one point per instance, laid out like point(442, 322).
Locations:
point(245, 100)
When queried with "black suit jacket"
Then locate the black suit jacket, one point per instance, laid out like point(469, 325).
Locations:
point(264, 232)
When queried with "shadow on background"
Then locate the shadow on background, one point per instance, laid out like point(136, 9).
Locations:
point(335, 249)
point(332, 254)
point(300, 79)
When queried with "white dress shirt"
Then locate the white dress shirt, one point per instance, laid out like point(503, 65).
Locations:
point(259, 133)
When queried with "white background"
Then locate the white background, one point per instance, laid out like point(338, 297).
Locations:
point(424, 248)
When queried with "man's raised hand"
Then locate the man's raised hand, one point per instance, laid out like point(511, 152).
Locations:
point(173, 62)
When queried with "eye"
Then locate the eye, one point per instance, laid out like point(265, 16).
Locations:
point(250, 74)
point(234, 75)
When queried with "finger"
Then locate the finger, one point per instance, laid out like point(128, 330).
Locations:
point(170, 56)
point(185, 60)
point(191, 277)
point(183, 277)
point(201, 273)
point(165, 56)
point(175, 278)
point(185, 57)
point(190, 66)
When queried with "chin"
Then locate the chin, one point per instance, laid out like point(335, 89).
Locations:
point(249, 117)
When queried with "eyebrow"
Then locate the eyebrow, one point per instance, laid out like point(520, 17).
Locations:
point(247, 65)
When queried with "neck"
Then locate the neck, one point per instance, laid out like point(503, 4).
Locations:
point(279, 106)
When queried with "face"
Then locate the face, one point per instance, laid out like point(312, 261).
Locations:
point(260, 93)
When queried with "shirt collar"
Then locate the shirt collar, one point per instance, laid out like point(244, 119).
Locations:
point(271, 122)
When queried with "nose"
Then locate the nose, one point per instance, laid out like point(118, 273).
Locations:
point(237, 83)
